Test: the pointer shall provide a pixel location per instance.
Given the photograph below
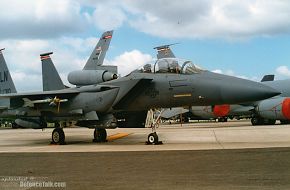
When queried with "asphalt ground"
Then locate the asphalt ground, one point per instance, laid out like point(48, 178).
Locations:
point(231, 155)
point(267, 168)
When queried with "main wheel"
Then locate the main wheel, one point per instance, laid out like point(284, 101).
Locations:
point(153, 138)
point(256, 121)
point(100, 135)
point(58, 136)
point(15, 126)
point(222, 119)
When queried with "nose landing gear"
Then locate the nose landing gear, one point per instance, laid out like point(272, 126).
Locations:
point(153, 137)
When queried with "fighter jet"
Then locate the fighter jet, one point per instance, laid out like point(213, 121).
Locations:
point(124, 102)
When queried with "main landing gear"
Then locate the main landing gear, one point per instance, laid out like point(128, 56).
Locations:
point(100, 135)
point(58, 136)
point(261, 121)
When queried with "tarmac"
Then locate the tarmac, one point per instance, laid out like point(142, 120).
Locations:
point(231, 155)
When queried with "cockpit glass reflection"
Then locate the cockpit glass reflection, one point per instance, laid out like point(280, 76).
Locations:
point(171, 65)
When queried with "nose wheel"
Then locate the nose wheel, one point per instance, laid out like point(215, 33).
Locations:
point(153, 138)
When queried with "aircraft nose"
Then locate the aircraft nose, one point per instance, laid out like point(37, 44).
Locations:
point(247, 91)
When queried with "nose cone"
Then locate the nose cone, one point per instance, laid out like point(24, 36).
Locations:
point(241, 90)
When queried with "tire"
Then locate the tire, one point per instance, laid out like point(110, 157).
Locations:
point(186, 120)
point(14, 126)
point(100, 135)
point(58, 136)
point(153, 138)
point(256, 121)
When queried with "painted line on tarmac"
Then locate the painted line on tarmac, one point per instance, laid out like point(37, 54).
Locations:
point(117, 136)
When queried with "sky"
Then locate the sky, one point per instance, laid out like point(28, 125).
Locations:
point(247, 39)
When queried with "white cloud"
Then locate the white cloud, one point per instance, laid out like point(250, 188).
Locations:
point(218, 71)
point(23, 60)
point(226, 19)
point(129, 61)
point(197, 19)
point(42, 18)
point(26, 82)
point(227, 72)
point(108, 18)
point(283, 70)
point(233, 73)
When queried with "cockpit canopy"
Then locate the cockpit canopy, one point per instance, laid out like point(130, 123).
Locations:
point(171, 65)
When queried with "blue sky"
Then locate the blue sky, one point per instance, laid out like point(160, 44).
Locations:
point(247, 38)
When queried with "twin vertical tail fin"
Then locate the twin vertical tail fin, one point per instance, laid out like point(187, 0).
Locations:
point(6, 83)
point(98, 55)
point(50, 77)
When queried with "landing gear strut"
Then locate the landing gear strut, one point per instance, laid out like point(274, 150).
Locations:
point(100, 135)
point(58, 136)
point(153, 137)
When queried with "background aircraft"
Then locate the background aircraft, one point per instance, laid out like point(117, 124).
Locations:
point(275, 108)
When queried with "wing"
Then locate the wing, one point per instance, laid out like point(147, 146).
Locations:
point(39, 95)
point(29, 99)
point(132, 93)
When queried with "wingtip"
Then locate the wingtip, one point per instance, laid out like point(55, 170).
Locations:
point(165, 46)
point(45, 54)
